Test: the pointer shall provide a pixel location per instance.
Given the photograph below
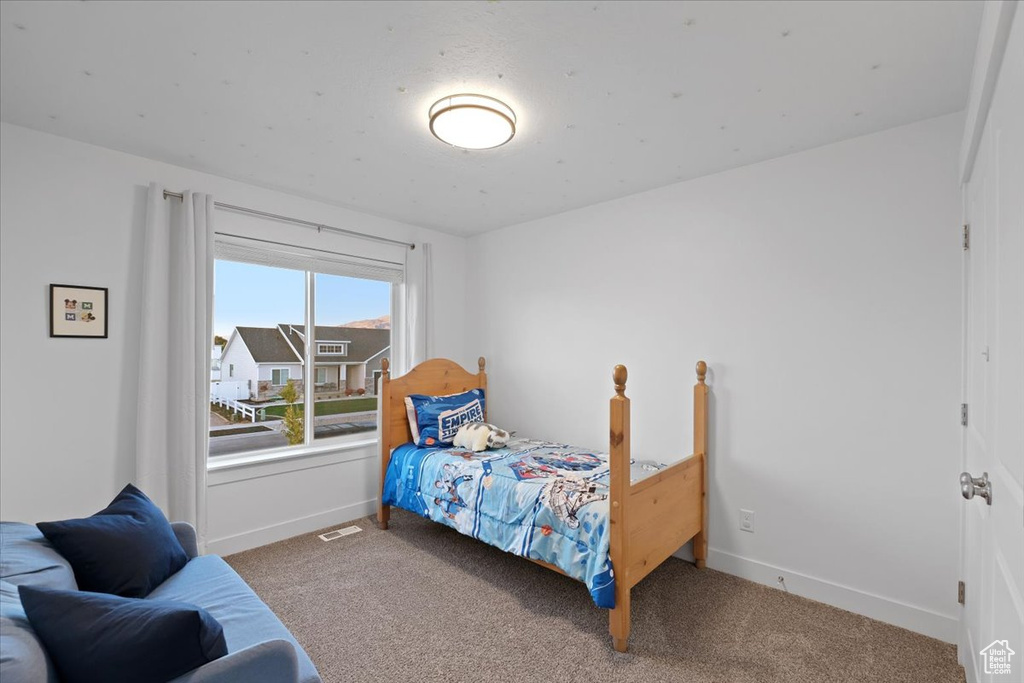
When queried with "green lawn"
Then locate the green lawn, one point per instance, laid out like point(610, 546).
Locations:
point(339, 407)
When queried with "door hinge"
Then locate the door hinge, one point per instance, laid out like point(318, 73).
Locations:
point(963, 414)
point(961, 590)
point(967, 236)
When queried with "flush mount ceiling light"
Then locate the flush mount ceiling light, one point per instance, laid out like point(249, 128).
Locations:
point(472, 121)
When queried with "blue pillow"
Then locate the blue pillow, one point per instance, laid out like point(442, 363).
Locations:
point(126, 549)
point(96, 638)
point(435, 420)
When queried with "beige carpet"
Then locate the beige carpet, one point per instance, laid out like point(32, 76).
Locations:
point(422, 603)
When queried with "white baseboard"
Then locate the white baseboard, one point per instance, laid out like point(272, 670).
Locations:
point(967, 655)
point(890, 611)
point(293, 527)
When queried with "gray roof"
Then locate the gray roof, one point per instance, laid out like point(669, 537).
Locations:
point(294, 335)
point(267, 345)
point(363, 343)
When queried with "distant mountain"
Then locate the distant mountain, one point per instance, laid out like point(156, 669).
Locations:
point(381, 323)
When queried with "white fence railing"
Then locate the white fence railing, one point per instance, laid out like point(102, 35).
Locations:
point(247, 411)
point(233, 388)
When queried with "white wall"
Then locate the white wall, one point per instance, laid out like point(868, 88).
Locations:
point(73, 213)
point(237, 363)
point(823, 289)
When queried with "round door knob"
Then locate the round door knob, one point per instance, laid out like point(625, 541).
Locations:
point(980, 486)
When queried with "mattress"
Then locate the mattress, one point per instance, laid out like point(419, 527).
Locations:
point(536, 499)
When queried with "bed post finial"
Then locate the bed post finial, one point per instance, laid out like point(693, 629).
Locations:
point(619, 377)
point(385, 366)
point(481, 362)
point(702, 371)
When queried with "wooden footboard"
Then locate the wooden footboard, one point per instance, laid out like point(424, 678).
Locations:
point(655, 517)
point(649, 520)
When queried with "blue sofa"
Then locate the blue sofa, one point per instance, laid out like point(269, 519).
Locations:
point(260, 648)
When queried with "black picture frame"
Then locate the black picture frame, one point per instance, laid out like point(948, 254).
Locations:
point(79, 307)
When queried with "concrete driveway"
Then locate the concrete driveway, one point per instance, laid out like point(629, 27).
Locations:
point(218, 420)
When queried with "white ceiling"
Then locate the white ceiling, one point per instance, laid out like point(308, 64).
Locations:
point(329, 100)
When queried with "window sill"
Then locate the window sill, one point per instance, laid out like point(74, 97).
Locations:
point(229, 468)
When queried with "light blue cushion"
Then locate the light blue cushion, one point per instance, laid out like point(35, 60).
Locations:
point(22, 657)
point(209, 582)
point(28, 559)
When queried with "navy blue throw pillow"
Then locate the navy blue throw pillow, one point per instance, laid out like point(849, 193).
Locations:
point(97, 638)
point(126, 549)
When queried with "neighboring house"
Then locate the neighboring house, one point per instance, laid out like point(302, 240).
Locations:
point(346, 358)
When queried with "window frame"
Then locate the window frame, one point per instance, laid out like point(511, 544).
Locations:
point(341, 345)
point(311, 446)
point(288, 377)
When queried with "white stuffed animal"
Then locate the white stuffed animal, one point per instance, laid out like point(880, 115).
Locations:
point(479, 436)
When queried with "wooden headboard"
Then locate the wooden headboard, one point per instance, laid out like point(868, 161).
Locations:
point(435, 377)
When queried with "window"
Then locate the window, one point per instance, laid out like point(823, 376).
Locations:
point(332, 349)
point(267, 304)
point(357, 313)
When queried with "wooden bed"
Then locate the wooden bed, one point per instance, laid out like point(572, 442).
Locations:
point(649, 520)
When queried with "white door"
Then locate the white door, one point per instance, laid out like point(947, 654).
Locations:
point(992, 620)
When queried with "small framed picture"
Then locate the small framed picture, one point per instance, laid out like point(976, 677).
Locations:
point(78, 311)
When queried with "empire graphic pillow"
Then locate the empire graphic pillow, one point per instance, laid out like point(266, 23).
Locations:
point(435, 420)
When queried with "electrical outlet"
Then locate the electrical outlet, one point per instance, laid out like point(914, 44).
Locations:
point(747, 520)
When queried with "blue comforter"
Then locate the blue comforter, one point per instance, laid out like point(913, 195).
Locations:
point(539, 500)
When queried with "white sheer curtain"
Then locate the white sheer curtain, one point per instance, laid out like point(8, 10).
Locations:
point(174, 377)
point(418, 332)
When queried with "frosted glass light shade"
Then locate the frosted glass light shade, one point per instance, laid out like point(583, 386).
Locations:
point(472, 121)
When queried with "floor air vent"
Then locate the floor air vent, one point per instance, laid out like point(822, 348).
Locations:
point(338, 533)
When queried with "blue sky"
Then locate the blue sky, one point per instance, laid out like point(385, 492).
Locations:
point(259, 296)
